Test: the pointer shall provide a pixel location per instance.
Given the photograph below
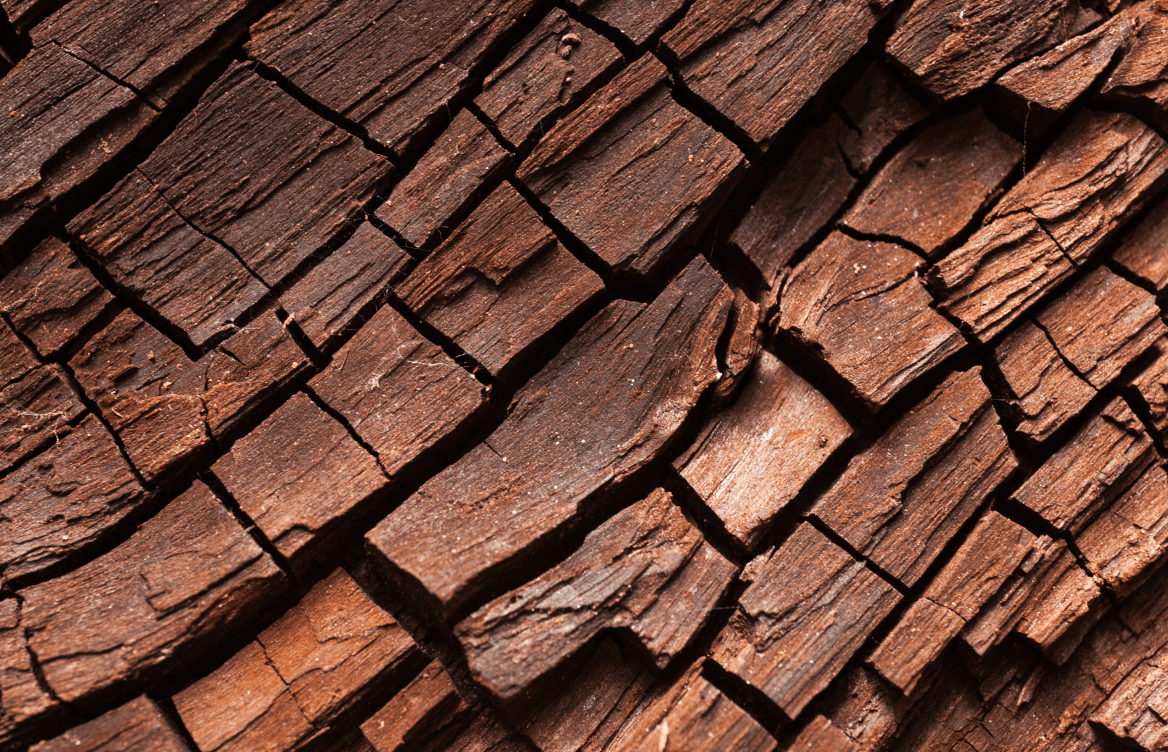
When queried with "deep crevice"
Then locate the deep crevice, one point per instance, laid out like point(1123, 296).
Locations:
point(224, 497)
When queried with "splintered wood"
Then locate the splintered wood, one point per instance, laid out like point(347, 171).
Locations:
point(583, 375)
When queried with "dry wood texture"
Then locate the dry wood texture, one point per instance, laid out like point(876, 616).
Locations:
point(583, 375)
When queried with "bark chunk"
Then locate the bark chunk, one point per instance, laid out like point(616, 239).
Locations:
point(753, 458)
point(1136, 709)
point(400, 393)
point(631, 173)
point(1152, 386)
point(35, 412)
point(50, 297)
point(635, 19)
point(500, 284)
point(326, 304)
point(137, 726)
point(301, 675)
point(391, 66)
point(187, 278)
point(759, 63)
point(808, 610)
point(427, 712)
point(261, 173)
point(184, 578)
point(933, 187)
point(646, 570)
point(548, 74)
point(430, 201)
point(1139, 80)
point(821, 735)
point(952, 48)
point(900, 501)
point(878, 109)
point(847, 286)
point(1141, 252)
point(63, 500)
point(559, 445)
point(284, 476)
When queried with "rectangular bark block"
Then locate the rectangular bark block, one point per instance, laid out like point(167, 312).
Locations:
point(752, 459)
point(848, 286)
point(391, 66)
point(448, 180)
point(500, 284)
point(301, 675)
point(1127, 540)
point(400, 393)
point(759, 63)
point(285, 474)
point(51, 298)
point(1140, 251)
point(36, 411)
point(137, 726)
point(631, 158)
point(559, 445)
point(327, 302)
point(646, 571)
point(1138, 81)
point(428, 711)
point(182, 580)
point(808, 609)
point(66, 498)
point(146, 247)
point(877, 109)
point(264, 175)
point(548, 74)
point(900, 501)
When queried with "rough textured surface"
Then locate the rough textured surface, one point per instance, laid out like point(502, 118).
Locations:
point(558, 446)
point(137, 726)
point(877, 109)
point(427, 710)
point(1138, 80)
point(38, 410)
point(646, 570)
point(752, 459)
point(500, 284)
point(846, 286)
point(1139, 251)
point(791, 636)
point(630, 204)
point(637, 20)
point(426, 205)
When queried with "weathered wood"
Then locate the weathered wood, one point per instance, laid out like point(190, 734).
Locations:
point(262, 174)
point(753, 458)
point(1097, 174)
point(301, 675)
point(1003, 270)
point(1152, 386)
point(1138, 81)
point(821, 735)
point(791, 635)
point(994, 549)
point(66, 498)
point(35, 412)
point(64, 123)
point(1038, 90)
point(137, 726)
point(903, 499)
point(742, 347)
point(631, 173)
point(847, 286)
point(16, 360)
point(1140, 251)
point(954, 48)
point(183, 580)
point(401, 62)
point(548, 74)
point(400, 393)
point(500, 284)
point(646, 570)
point(327, 302)
point(687, 715)
point(759, 63)
point(878, 109)
point(155, 52)
point(147, 248)
point(1102, 325)
point(866, 708)
point(637, 20)
point(587, 712)
point(50, 297)
point(1085, 476)
point(449, 179)
point(1053, 603)
point(138, 379)
point(428, 711)
point(933, 187)
point(285, 473)
point(1043, 392)
point(797, 202)
point(23, 699)
point(1128, 538)
point(23, 14)
point(559, 445)
point(1135, 710)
